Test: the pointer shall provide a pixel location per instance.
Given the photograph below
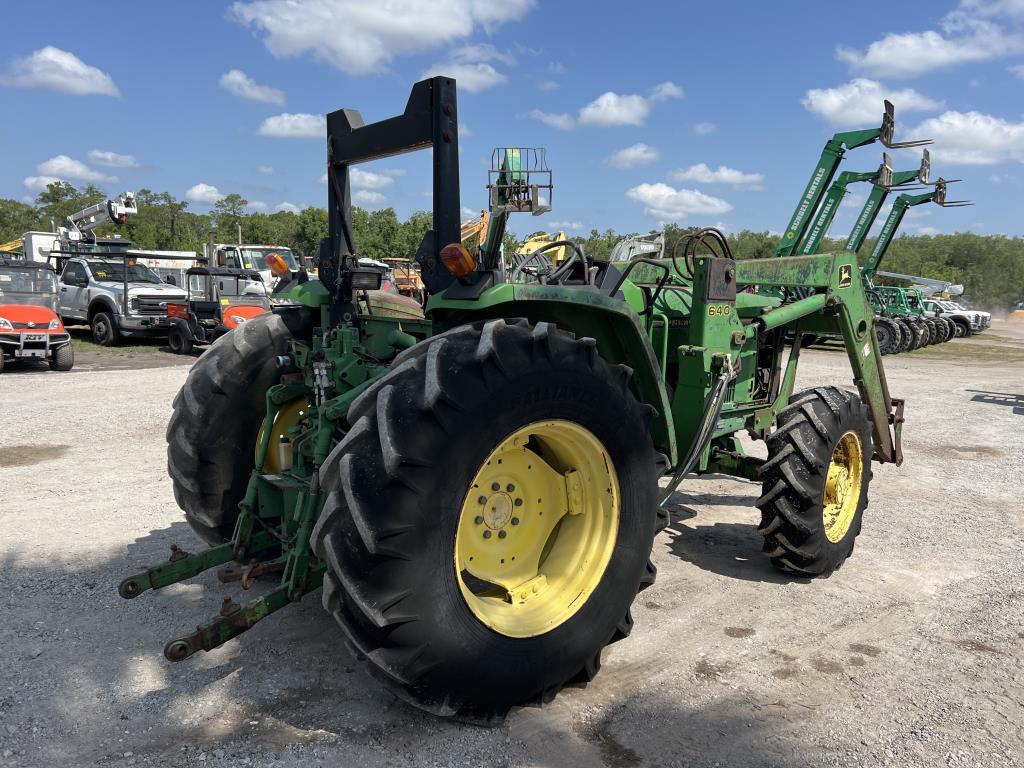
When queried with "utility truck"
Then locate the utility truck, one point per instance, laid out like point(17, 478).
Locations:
point(102, 280)
point(477, 491)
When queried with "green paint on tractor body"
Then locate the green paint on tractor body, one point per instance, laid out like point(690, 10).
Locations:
point(682, 330)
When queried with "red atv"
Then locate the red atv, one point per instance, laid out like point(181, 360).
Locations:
point(29, 325)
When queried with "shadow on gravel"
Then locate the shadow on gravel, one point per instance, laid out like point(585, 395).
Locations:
point(999, 398)
point(728, 549)
point(85, 683)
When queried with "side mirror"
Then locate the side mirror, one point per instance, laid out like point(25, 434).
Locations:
point(82, 282)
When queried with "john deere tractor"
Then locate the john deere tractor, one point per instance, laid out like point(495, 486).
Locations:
point(475, 494)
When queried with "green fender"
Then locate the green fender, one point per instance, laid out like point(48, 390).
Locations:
point(612, 323)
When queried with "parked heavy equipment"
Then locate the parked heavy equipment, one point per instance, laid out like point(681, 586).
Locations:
point(908, 304)
point(477, 493)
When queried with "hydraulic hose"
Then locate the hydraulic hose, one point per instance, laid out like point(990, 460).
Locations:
point(712, 410)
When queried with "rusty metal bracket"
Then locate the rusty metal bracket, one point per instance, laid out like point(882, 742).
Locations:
point(896, 422)
point(248, 575)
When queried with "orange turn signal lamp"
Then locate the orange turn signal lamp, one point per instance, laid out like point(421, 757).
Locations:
point(177, 310)
point(457, 259)
point(276, 263)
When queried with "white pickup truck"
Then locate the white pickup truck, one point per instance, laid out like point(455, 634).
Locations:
point(968, 321)
point(116, 295)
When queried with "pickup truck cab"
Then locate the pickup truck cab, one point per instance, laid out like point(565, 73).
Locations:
point(968, 321)
point(117, 295)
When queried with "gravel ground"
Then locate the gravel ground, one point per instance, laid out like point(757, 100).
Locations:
point(910, 655)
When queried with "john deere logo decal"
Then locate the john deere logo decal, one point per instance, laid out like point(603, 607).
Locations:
point(845, 276)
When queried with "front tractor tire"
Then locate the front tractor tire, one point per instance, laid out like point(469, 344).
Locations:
point(489, 518)
point(888, 335)
point(211, 437)
point(815, 481)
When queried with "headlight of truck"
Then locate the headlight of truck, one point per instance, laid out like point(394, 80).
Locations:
point(6, 324)
point(54, 324)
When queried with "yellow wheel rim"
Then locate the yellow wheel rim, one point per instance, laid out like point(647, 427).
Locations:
point(537, 528)
point(287, 417)
point(843, 486)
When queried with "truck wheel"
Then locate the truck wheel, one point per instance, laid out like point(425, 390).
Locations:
point(490, 518)
point(887, 335)
point(211, 437)
point(815, 481)
point(179, 342)
point(918, 336)
point(63, 358)
point(104, 330)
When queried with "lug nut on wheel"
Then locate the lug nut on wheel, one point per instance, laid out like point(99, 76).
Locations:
point(478, 519)
point(515, 521)
point(510, 488)
point(487, 534)
point(481, 499)
point(495, 486)
point(502, 534)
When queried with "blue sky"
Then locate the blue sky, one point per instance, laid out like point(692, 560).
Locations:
point(697, 113)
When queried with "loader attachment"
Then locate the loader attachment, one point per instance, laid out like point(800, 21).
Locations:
point(889, 128)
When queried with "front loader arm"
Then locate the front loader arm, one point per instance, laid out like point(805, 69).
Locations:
point(840, 306)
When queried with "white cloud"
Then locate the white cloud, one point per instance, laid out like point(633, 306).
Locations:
point(557, 68)
point(323, 179)
point(973, 138)
point(298, 126)
point(703, 129)
point(931, 231)
point(39, 183)
point(560, 120)
point(239, 84)
point(257, 205)
point(64, 167)
point(965, 37)
point(112, 159)
point(369, 199)
point(567, 226)
point(373, 33)
point(668, 204)
point(57, 70)
point(472, 77)
point(203, 193)
point(721, 175)
point(266, 170)
point(287, 207)
point(360, 179)
point(548, 85)
point(612, 108)
point(859, 102)
point(464, 130)
point(1018, 70)
point(468, 64)
point(632, 156)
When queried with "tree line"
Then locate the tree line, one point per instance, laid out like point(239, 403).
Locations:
point(990, 267)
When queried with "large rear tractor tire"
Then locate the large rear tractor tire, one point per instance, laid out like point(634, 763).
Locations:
point(815, 481)
point(211, 437)
point(63, 358)
point(490, 518)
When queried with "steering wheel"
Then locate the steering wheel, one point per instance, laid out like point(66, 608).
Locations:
point(563, 270)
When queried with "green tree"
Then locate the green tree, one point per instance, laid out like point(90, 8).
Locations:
point(228, 213)
point(310, 229)
point(16, 218)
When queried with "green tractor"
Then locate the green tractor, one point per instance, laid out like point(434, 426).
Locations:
point(477, 491)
